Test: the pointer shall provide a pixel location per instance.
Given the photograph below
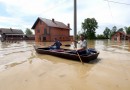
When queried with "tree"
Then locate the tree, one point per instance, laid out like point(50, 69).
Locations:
point(89, 26)
point(100, 36)
point(127, 29)
point(28, 31)
point(113, 31)
point(120, 29)
point(107, 32)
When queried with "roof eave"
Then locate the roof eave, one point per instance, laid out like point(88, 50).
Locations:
point(60, 27)
point(34, 25)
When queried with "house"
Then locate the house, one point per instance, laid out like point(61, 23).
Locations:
point(47, 30)
point(120, 35)
point(11, 34)
point(29, 37)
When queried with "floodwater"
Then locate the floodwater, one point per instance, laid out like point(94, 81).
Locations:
point(21, 68)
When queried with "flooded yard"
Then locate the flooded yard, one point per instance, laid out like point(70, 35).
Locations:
point(21, 68)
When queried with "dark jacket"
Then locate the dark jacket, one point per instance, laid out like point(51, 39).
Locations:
point(57, 44)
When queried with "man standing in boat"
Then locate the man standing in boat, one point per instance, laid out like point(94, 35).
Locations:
point(82, 43)
point(56, 44)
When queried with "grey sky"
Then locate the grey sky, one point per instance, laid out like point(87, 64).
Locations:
point(22, 14)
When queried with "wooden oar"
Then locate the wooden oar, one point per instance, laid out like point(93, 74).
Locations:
point(79, 56)
point(67, 45)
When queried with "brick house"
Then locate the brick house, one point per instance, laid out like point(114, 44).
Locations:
point(11, 34)
point(47, 30)
point(120, 36)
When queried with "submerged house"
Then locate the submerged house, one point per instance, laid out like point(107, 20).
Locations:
point(11, 34)
point(47, 30)
point(120, 35)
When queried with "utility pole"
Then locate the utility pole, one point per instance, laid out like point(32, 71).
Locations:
point(75, 21)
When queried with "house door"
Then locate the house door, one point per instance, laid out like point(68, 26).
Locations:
point(44, 38)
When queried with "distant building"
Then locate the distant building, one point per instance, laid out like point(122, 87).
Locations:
point(29, 37)
point(11, 34)
point(120, 36)
point(47, 30)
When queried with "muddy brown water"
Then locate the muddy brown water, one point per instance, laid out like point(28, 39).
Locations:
point(21, 68)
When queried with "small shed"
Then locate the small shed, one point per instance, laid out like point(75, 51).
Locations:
point(11, 34)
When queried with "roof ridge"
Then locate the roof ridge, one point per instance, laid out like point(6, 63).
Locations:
point(51, 20)
point(51, 23)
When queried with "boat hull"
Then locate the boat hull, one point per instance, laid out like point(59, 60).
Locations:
point(61, 53)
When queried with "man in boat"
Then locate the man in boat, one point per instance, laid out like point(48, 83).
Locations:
point(83, 50)
point(82, 45)
point(56, 44)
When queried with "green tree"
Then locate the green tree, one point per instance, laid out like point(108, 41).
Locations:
point(113, 31)
point(28, 31)
point(89, 26)
point(120, 29)
point(127, 29)
point(107, 32)
point(100, 36)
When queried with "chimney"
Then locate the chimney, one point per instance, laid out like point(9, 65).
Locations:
point(11, 29)
point(68, 25)
point(53, 20)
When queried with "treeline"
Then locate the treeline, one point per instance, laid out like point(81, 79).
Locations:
point(90, 25)
point(107, 33)
point(28, 31)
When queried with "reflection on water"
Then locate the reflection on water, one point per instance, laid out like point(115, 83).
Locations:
point(15, 52)
point(109, 72)
point(10, 52)
point(112, 46)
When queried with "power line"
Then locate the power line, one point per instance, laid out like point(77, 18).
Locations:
point(53, 7)
point(110, 10)
point(117, 2)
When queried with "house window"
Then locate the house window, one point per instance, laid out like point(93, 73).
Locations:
point(48, 30)
point(45, 31)
point(38, 31)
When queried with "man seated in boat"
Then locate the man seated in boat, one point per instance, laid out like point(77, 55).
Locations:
point(56, 44)
point(82, 43)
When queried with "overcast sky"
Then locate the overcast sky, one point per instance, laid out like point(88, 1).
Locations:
point(21, 14)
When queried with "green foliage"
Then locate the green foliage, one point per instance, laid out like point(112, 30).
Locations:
point(28, 32)
point(107, 32)
point(127, 29)
point(100, 36)
point(120, 29)
point(113, 31)
point(89, 26)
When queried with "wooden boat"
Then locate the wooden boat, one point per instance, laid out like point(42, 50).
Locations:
point(67, 53)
